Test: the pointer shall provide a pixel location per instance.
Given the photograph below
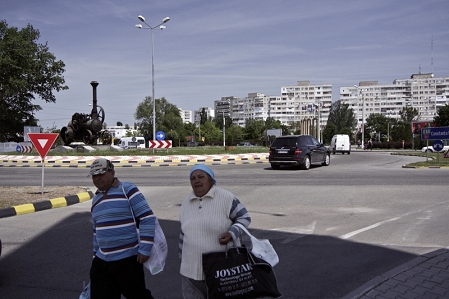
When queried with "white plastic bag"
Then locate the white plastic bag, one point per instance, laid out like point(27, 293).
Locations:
point(159, 251)
point(85, 294)
point(261, 248)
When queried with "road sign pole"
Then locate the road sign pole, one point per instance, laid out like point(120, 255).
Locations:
point(42, 165)
point(43, 142)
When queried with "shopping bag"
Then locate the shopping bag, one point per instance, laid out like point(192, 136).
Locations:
point(85, 294)
point(159, 251)
point(237, 273)
point(261, 248)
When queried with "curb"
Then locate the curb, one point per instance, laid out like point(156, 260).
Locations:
point(46, 204)
point(78, 162)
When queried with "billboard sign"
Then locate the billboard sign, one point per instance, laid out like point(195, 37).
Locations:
point(438, 133)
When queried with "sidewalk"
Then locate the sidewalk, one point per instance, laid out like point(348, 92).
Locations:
point(426, 276)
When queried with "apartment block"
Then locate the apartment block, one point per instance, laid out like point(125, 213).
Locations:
point(295, 104)
point(197, 114)
point(422, 92)
point(186, 115)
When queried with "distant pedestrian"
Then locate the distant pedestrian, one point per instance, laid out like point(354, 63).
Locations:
point(119, 252)
point(370, 144)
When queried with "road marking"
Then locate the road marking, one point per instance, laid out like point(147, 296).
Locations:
point(298, 231)
point(356, 232)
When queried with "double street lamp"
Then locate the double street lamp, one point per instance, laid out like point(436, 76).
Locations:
point(160, 26)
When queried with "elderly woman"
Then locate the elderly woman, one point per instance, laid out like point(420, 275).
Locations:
point(207, 218)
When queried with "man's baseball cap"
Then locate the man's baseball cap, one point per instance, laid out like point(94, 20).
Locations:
point(100, 166)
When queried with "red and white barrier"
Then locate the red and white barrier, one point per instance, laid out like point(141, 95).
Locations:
point(159, 144)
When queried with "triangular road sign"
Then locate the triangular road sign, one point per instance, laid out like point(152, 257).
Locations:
point(446, 155)
point(43, 142)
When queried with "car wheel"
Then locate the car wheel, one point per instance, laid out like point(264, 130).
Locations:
point(327, 160)
point(306, 164)
point(275, 166)
point(349, 153)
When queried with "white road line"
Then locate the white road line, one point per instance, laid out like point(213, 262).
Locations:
point(356, 232)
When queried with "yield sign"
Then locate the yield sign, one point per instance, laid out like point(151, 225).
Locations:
point(43, 142)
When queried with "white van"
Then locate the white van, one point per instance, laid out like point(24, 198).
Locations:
point(132, 142)
point(340, 143)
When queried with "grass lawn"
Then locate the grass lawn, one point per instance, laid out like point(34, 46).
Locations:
point(432, 161)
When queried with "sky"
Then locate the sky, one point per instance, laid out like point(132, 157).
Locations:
point(213, 49)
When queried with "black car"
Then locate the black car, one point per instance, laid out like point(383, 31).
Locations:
point(300, 150)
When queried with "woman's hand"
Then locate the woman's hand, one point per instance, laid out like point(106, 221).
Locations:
point(225, 238)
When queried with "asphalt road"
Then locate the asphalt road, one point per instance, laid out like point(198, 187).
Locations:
point(334, 227)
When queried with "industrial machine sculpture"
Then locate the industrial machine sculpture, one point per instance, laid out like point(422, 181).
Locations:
point(87, 127)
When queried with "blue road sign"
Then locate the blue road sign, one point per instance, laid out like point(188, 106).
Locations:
point(438, 133)
point(18, 149)
point(438, 145)
point(160, 135)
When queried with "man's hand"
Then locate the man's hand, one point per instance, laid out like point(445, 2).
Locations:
point(225, 238)
point(142, 258)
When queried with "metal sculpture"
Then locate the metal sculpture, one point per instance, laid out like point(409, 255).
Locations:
point(87, 127)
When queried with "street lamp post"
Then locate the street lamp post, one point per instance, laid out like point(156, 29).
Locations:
point(363, 115)
point(165, 20)
point(224, 130)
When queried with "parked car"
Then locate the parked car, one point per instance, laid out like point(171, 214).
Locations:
point(299, 150)
point(244, 144)
point(431, 150)
point(192, 143)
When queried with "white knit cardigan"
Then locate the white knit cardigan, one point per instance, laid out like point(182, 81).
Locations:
point(203, 220)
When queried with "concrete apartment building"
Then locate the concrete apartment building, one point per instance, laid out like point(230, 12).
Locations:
point(422, 92)
point(197, 114)
point(302, 105)
point(186, 115)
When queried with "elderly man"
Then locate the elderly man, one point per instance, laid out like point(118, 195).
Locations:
point(119, 252)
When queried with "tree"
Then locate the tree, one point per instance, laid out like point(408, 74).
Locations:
point(234, 133)
point(119, 123)
point(442, 119)
point(342, 117)
point(329, 131)
point(203, 116)
point(402, 131)
point(218, 121)
point(168, 119)
point(27, 70)
point(189, 130)
point(255, 129)
point(210, 132)
point(408, 114)
point(144, 116)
